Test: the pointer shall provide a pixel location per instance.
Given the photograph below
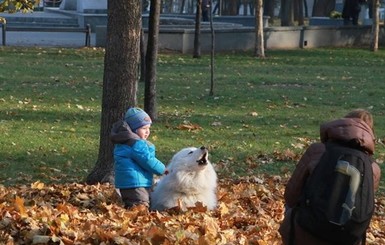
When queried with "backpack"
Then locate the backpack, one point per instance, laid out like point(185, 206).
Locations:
point(337, 203)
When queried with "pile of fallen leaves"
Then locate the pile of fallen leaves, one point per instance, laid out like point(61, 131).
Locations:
point(249, 212)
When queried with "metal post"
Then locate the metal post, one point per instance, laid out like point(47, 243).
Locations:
point(3, 22)
point(88, 35)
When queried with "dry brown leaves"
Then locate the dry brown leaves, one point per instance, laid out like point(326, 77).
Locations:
point(249, 212)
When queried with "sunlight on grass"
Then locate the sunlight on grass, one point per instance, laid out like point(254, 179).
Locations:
point(263, 115)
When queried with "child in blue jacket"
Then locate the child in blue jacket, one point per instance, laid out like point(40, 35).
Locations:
point(135, 161)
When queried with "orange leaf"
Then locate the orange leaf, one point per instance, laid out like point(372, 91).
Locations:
point(37, 185)
point(19, 203)
point(189, 127)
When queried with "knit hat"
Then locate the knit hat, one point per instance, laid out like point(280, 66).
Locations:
point(137, 118)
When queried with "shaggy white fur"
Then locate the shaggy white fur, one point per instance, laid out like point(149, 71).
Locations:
point(191, 179)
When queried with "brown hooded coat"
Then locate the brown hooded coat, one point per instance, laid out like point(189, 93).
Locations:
point(346, 130)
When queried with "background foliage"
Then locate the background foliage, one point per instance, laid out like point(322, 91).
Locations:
point(12, 6)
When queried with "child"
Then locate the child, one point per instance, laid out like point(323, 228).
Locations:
point(135, 161)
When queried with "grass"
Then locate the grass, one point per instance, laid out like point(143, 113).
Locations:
point(262, 117)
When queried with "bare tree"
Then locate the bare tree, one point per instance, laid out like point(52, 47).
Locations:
point(212, 51)
point(197, 36)
point(306, 13)
point(268, 8)
point(259, 38)
point(300, 13)
point(151, 57)
point(142, 57)
point(229, 7)
point(375, 25)
point(287, 12)
point(121, 62)
point(323, 7)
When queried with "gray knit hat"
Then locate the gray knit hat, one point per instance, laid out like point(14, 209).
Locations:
point(137, 118)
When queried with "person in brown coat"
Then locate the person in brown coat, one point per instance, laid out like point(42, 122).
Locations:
point(356, 128)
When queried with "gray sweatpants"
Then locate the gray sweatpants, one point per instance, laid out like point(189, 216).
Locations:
point(135, 196)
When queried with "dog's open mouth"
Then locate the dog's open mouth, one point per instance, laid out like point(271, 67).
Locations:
point(203, 160)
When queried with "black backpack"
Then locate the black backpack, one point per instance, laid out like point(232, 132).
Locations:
point(338, 199)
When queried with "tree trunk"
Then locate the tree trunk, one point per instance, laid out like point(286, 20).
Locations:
point(230, 7)
point(305, 7)
point(287, 13)
point(197, 36)
point(121, 62)
point(301, 20)
point(375, 25)
point(268, 8)
point(151, 57)
point(323, 7)
point(142, 57)
point(259, 39)
point(212, 51)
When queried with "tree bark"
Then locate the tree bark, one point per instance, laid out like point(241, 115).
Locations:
point(212, 56)
point(299, 5)
point(120, 78)
point(306, 13)
point(197, 36)
point(151, 57)
point(229, 7)
point(142, 57)
point(287, 13)
point(268, 8)
point(259, 38)
point(375, 25)
point(323, 7)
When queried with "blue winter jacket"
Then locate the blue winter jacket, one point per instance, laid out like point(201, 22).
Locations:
point(135, 161)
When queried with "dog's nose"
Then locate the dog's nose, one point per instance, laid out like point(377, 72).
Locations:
point(203, 147)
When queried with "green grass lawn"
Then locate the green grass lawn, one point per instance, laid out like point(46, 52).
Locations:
point(263, 115)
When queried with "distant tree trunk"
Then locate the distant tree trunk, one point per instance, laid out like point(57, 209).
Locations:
point(299, 4)
point(287, 13)
point(151, 57)
point(305, 7)
point(323, 7)
point(229, 7)
point(142, 57)
point(197, 36)
point(259, 42)
point(212, 50)
point(375, 25)
point(120, 78)
point(268, 8)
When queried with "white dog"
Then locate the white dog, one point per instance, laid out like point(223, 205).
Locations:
point(191, 179)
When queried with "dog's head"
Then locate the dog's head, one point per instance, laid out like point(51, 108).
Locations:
point(190, 158)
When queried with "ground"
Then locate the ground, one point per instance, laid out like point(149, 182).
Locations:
point(249, 212)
